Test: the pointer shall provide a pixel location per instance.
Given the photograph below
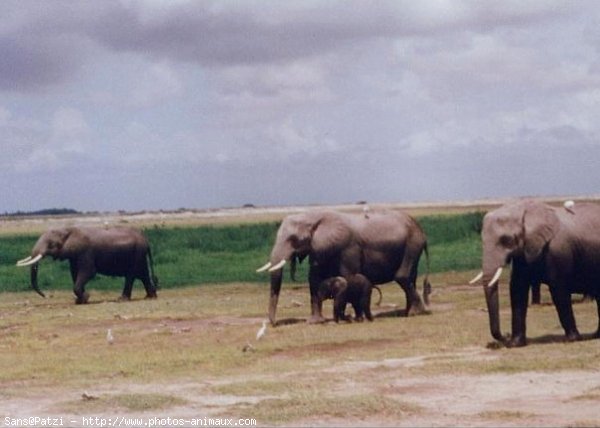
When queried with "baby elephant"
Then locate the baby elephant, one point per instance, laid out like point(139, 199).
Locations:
point(355, 290)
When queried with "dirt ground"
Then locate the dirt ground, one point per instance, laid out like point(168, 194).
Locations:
point(504, 398)
point(566, 398)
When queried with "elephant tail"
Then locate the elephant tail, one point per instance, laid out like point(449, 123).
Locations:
point(426, 283)
point(151, 265)
point(380, 295)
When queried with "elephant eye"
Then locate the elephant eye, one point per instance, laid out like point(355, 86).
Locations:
point(507, 241)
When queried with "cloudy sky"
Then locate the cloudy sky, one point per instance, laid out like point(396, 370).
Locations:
point(136, 105)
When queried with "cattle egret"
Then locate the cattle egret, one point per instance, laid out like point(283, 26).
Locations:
point(261, 332)
point(109, 337)
point(569, 206)
point(366, 211)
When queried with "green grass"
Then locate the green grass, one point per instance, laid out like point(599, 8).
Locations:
point(231, 253)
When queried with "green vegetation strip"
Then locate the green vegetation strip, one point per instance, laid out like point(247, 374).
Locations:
point(226, 254)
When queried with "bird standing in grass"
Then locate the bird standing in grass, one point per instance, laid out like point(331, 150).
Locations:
point(261, 332)
point(109, 337)
point(569, 206)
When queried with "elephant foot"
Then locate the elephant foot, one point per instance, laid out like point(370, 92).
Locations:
point(82, 299)
point(573, 336)
point(124, 298)
point(316, 319)
point(516, 342)
point(151, 295)
point(417, 309)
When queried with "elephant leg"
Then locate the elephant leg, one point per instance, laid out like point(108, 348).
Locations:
point(316, 304)
point(82, 277)
point(406, 277)
point(536, 297)
point(149, 285)
point(150, 289)
point(562, 301)
point(358, 311)
point(339, 310)
point(366, 305)
point(597, 334)
point(519, 294)
point(127, 287)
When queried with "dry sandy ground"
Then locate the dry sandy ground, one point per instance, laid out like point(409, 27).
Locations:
point(568, 398)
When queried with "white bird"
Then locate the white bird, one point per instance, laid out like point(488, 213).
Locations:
point(261, 332)
point(109, 337)
point(366, 211)
point(569, 206)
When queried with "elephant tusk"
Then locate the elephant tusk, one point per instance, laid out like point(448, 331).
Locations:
point(264, 268)
point(29, 261)
point(277, 266)
point(477, 278)
point(496, 277)
point(25, 260)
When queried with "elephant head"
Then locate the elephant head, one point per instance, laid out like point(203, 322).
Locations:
point(518, 230)
point(332, 287)
point(301, 235)
point(56, 243)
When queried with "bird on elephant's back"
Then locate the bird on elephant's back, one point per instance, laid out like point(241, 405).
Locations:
point(384, 246)
point(113, 251)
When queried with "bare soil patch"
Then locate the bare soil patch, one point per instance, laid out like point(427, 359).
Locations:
point(566, 398)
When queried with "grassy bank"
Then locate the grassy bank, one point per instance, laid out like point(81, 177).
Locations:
point(225, 254)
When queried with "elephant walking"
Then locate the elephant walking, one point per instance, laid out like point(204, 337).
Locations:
point(383, 246)
point(559, 247)
point(114, 251)
point(355, 290)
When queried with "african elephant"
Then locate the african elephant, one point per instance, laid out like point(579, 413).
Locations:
point(355, 290)
point(383, 246)
point(113, 251)
point(559, 247)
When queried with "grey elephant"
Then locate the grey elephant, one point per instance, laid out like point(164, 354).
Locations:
point(113, 251)
point(559, 247)
point(356, 290)
point(383, 246)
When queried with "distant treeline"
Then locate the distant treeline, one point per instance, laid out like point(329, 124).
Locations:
point(49, 211)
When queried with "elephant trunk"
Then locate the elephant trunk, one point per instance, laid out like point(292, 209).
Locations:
point(492, 268)
point(34, 283)
point(276, 278)
point(492, 300)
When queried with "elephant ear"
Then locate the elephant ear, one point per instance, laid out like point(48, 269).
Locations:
point(74, 241)
point(540, 224)
point(330, 234)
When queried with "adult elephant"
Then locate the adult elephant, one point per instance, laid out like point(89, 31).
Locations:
point(113, 251)
point(383, 246)
point(559, 247)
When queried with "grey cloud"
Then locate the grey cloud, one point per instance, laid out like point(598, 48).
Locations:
point(44, 46)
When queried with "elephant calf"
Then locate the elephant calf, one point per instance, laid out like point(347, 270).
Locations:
point(355, 290)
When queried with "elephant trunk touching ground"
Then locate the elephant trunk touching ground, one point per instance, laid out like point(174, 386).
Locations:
point(34, 283)
point(34, 262)
point(384, 246)
point(493, 262)
point(281, 254)
point(276, 279)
